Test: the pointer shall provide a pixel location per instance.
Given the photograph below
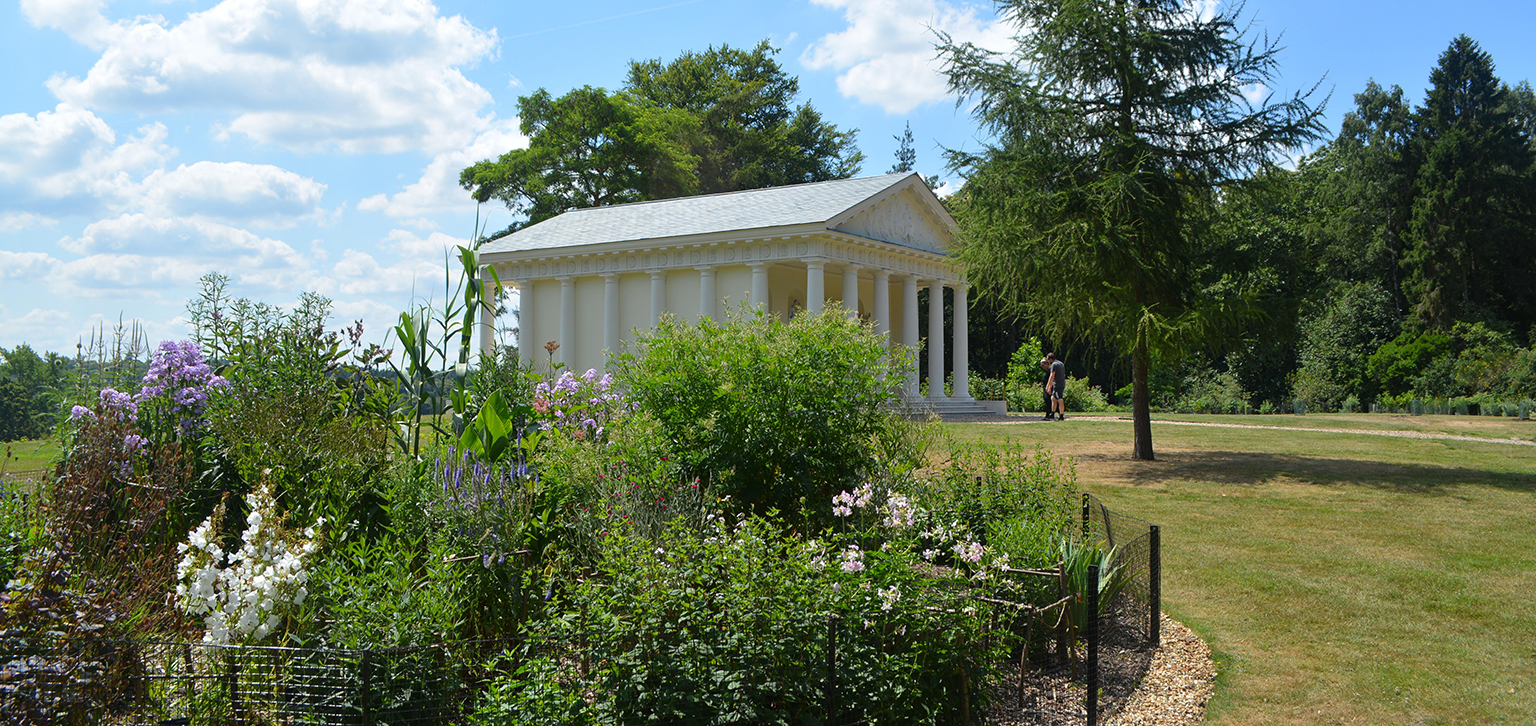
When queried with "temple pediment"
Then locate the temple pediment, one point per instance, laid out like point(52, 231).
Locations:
point(903, 218)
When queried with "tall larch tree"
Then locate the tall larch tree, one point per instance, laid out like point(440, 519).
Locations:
point(1110, 125)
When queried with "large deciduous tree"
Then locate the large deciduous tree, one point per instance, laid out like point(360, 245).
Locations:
point(1109, 127)
point(717, 121)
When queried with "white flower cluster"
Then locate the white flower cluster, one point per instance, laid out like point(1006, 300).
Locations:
point(899, 512)
point(844, 503)
point(853, 559)
point(245, 598)
point(888, 597)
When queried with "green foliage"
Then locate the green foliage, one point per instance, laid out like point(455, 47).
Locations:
point(31, 389)
point(709, 122)
point(1398, 363)
point(588, 148)
point(770, 413)
point(1107, 129)
point(1026, 377)
point(753, 134)
point(1468, 256)
point(906, 155)
point(1209, 391)
point(1005, 494)
point(1082, 396)
point(21, 529)
point(731, 625)
point(386, 593)
point(1348, 327)
point(1078, 555)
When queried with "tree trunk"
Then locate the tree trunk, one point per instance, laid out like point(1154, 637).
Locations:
point(1141, 402)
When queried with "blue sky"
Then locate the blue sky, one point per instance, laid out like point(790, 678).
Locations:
point(315, 144)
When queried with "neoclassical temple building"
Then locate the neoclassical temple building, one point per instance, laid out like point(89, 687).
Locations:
point(589, 278)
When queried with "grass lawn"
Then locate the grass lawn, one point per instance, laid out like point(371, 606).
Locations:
point(1341, 578)
point(27, 459)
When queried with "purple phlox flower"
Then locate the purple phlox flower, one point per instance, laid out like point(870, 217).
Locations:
point(79, 412)
point(590, 375)
point(133, 443)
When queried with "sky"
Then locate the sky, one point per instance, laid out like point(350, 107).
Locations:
point(315, 145)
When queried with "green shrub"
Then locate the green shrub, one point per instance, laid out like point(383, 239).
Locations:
point(1211, 392)
point(773, 414)
point(731, 624)
point(1083, 397)
point(1395, 367)
point(1024, 382)
point(1338, 338)
point(990, 489)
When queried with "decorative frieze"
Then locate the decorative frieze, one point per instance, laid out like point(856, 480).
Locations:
point(836, 248)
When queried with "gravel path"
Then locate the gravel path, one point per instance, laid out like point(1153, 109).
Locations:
point(1177, 684)
point(1368, 432)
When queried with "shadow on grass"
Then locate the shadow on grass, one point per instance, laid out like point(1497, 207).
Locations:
point(1258, 469)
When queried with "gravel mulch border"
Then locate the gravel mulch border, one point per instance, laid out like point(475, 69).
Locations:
point(1177, 684)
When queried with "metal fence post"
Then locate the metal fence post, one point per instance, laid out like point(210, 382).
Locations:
point(1155, 584)
point(233, 680)
point(831, 690)
point(366, 696)
point(1087, 513)
point(1092, 633)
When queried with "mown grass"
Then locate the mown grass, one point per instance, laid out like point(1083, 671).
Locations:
point(1340, 577)
point(26, 458)
point(1492, 427)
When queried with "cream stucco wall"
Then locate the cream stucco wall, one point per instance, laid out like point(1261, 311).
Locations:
point(733, 286)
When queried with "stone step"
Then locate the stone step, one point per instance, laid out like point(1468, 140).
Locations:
point(954, 409)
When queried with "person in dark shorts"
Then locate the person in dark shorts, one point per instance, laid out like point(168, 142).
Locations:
point(1057, 385)
point(1045, 388)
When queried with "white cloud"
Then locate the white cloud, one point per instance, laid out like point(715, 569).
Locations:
point(438, 188)
point(79, 19)
point(886, 54)
point(24, 265)
point(25, 220)
point(68, 160)
point(352, 75)
point(148, 253)
point(419, 270)
point(236, 191)
point(1255, 93)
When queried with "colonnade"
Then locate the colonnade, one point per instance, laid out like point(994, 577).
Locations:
point(815, 285)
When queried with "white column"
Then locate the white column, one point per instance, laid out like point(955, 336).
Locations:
point(658, 296)
point(851, 290)
point(568, 321)
point(760, 285)
point(962, 353)
point(487, 314)
point(936, 341)
point(815, 285)
point(525, 338)
point(708, 302)
point(882, 301)
point(610, 315)
point(909, 330)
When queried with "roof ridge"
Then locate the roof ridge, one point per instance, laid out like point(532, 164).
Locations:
point(729, 193)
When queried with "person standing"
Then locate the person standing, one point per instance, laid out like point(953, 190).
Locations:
point(1045, 388)
point(1057, 385)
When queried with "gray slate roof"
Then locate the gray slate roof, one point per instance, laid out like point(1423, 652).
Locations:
point(751, 209)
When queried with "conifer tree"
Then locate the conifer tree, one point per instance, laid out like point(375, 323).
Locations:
point(1469, 229)
point(906, 155)
point(1110, 125)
